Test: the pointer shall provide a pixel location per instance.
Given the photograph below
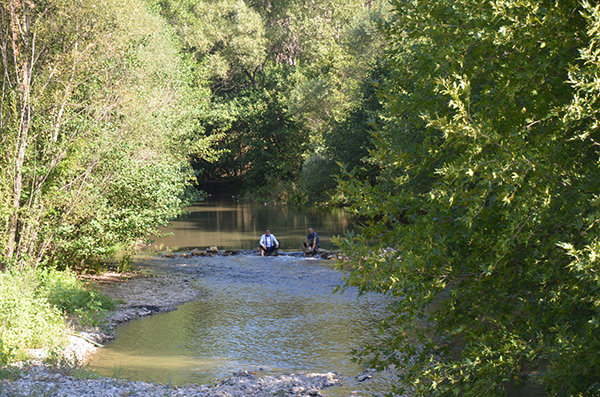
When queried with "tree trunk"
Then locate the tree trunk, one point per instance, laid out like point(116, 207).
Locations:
point(22, 44)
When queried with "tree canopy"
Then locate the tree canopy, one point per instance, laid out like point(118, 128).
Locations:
point(485, 212)
point(283, 74)
point(97, 105)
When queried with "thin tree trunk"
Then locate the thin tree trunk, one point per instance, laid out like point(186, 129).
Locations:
point(17, 192)
point(22, 43)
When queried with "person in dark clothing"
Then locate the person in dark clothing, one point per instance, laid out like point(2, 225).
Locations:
point(311, 243)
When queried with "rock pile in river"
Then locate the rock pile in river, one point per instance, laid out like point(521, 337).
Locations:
point(215, 251)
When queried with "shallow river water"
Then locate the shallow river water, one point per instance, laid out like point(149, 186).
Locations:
point(228, 224)
point(273, 315)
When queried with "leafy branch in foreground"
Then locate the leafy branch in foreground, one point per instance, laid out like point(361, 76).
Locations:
point(488, 197)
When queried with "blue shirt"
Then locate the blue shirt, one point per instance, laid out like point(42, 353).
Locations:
point(311, 237)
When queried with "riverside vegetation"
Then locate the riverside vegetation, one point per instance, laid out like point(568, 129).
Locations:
point(97, 104)
point(34, 305)
point(463, 134)
point(487, 196)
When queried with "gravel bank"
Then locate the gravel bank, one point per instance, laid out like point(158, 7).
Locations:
point(39, 381)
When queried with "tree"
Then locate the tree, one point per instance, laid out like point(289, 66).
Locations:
point(485, 212)
point(335, 96)
point(227, 36)
point(96, 107)
point(282, 74)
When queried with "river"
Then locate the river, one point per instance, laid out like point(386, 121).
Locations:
point(229, 224)
point(273, 315)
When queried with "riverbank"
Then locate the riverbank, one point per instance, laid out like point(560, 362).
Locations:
point(41, 381)
point(146, 291)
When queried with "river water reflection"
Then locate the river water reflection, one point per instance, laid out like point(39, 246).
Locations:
point(273, 314)
point(227, 224)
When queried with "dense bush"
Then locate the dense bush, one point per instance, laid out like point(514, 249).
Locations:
point(27, 320)
point(64, 291)
point(317, 177)
point(486, 210)
point(34, 306)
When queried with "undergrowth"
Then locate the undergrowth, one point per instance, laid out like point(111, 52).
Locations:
point(35, 305)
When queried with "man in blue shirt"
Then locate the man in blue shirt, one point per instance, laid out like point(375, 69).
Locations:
point(311, 243)
point(268, 243)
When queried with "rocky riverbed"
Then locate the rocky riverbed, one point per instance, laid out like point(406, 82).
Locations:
point(40, 381)
point(139, 294)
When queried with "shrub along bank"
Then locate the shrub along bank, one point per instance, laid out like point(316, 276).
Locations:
point(37, 306)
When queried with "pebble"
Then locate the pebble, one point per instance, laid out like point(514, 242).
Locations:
point(40, 380)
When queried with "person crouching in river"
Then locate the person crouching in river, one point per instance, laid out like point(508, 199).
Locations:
point(310, 245)
point(268, 243)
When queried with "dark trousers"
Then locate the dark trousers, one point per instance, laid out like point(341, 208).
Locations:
point(269, 249)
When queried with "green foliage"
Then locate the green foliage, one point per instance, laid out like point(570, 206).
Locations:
point(134, 204)
point(27, 319)
point(112, 114)
point(283, 74)
point(317, 178)
point(227, 36)
point(33, 306)
point(349, 142)
point(64, 291)
point(486, 212)
point(333, 96)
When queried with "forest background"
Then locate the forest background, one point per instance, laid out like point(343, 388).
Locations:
point(463, 134)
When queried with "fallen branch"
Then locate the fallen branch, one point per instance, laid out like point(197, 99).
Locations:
point(88, 340)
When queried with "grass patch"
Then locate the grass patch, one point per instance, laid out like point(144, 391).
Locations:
point(27, 319)
point(34, 306)
point(72, 297)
